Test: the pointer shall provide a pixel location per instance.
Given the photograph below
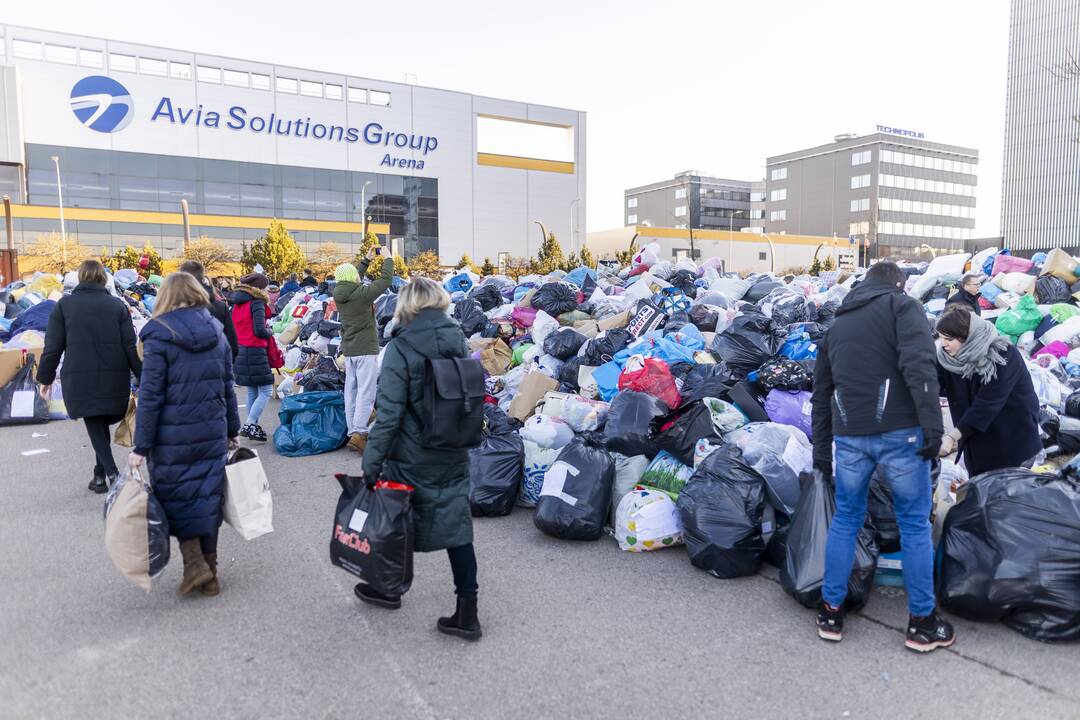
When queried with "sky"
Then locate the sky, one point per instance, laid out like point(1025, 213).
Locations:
point(712, 86)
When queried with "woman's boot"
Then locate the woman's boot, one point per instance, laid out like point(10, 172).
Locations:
point(213, 587)
point(196, 571)
point(463, 623)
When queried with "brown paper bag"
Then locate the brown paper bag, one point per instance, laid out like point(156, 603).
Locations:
point(588, 328)
point(125, 431)
point(615, 321)
point(532, 390)
point(496, 358)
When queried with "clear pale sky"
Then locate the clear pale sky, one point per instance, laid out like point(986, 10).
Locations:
point(713, 86)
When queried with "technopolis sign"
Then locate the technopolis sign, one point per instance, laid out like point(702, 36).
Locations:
point(98, 98)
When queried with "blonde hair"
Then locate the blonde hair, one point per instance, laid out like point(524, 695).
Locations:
point(420, 294)
point(180, 290)
point(92, 271)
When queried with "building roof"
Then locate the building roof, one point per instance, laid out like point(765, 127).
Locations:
point(872, 139)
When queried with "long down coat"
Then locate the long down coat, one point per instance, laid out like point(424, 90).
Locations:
point(186, 414)
point(395, 450)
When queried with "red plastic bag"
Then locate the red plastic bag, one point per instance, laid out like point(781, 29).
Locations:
point(651, 376)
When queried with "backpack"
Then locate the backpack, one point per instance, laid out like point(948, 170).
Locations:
point(454, 393)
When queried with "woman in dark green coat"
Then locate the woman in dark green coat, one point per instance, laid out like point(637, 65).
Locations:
point(395, 449)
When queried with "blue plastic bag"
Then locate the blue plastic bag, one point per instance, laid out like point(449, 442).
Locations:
point(988, 266)
point(689, 337)
point(311, 423)
point(656, 346)
point(458, 283)
point(799, 346)
point(607, 379)
point(578, 275)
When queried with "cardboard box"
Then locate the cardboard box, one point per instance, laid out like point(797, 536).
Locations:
point(10, 362)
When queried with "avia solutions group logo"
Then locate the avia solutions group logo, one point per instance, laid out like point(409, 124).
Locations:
point(102, 104)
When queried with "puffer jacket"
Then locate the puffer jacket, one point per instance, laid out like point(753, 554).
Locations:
point(395, 450)
point(249, 318)
point(355, 304)
point(186, 413)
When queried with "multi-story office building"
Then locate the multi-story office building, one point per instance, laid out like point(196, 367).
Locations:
point(1040, 185)
point(122, 132)
point(892, 187)
point(690, 200)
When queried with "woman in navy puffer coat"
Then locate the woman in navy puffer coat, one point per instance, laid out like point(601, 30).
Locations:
point(186, 422)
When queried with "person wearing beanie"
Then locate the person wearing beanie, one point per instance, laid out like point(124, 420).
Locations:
point(360, 340)
point(252, 366)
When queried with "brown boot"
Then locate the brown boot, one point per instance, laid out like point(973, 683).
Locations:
point(213, 587)
point(196, 571)
point(357, 442)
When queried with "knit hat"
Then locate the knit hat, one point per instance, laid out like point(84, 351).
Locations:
point(256, 280)
point(346, 272)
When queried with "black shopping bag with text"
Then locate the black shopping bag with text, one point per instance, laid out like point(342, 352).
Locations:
point(373, 534)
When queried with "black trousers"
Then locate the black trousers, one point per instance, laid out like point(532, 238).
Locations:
point(97, 428)
point(463, 565)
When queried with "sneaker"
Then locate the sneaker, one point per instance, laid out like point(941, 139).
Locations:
point(245, 432)
point(928, 633)
point(368, 595)
point(830, 623)
point(253, 432)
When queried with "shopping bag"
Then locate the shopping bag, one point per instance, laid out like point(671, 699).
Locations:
point(20, 401)
point(136, 530)
point(373, 534)
point(248, 506)
point(124, 435)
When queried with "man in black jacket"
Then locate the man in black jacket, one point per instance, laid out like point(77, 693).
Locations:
point(968, 294)
point(876, 391)
point(218, 308)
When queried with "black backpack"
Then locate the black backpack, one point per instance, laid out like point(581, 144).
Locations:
point(454, 393)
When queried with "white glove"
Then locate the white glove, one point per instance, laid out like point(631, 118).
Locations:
point(949, 443)
point(135, 460)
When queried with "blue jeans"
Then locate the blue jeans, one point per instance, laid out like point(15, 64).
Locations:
point(909, 477)
point(257, 398)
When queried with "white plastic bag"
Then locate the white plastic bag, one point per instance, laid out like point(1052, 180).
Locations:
point(248, 506)
point(647, 256)
point(547, 431)
point(583, 415)
point(542, 326)
point(647, 520)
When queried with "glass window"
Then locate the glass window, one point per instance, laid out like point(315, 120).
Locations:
point(631, 203)
point(122, 62)
point(235, 78)
point(680, 193)
point(379, 97)
point(860, 204)
point(357, 95)
point(762, 256)
point(778, 174)
point(311, 88)
point(286, 85)
point(208, 74)
point(179, 70)
point(260, 81)
point(333, 92)
point(680, 211)
point(60, 54)
point(860, 181)
point(757, 197)
point(777, 195)
point(778, 215)
point(631, 219)
point(150, 66)
point(91, 58)
point(860, 158)
point(26, 49)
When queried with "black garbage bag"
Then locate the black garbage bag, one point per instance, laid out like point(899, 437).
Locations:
point(693, 423)
point(721, 509)
point(20, 401)
point(496, 471)
point(761, 289)
point(1050, 289)
point(568, 373)
point(773, 450)
point(744, 397)
point(373, 534)
point(324, 376)
point(684, 280)
point(306, 331)
point(676, 322)
point(1010, 551)
point(783, 373)
point(776, 547)
point(803, 573)
point(602, 349)
point(385, 305)
point(1049, 423)
point(564, 343)
point(1072, 404)
point(879, 505)
point(704, 317)
point(329, 329)
point(784, 307)
point(749, 341)
point(1068, 435)
point(679, 371)
point(826, 314)
point(814, 330)
point(555, 298)
point(487, 296)
point(577, 488)
point(282, 302)
point(630, 421)
point(470, 316)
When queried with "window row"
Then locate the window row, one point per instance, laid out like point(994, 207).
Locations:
point(180, 70)
point(778, 174)
point(680, 211)
point(909, 183)
point(859, 228)
point(927, 208)
point(717, 194)
point(860, 181)
point(860, 205)
point(631, 219)
point(928, 231)
point(680, 193)
point(631, 202)
point(778, 195)
point(926, 161)
point(860, 158)
point(778, 215)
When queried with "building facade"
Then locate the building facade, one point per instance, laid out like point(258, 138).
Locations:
point(113, 135)
point(1040, 188)
point(893, 189)
point(690, 200)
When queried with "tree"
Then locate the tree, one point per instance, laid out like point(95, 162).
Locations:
point(211, 253)
point(829, 264)
point(276, 251)
point(587, 258)
point(129, 257)
point(815, 267)
point(487, 268)
point(571, 263)
point(466, 263)
point(325, 259)
point(625, 257)
point(550, 257)
point(400, 268)
point(516, 267)
point(370, 242)
point(425, 264)
point(52, 253)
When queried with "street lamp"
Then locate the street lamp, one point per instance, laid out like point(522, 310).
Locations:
point(573, 244)
point(731, 220)
point(60, 199)
point(543, 236)
point(363, 208)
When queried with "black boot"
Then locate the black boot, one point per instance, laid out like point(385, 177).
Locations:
point(97, 483)
point(463, 623)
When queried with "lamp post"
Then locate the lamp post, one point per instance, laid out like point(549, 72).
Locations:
point(60, 199)
point(363, 209)
point(573, 243)
point(772, 252)
point(543, 238)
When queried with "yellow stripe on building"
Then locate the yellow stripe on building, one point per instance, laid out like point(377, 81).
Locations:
point(524, 163)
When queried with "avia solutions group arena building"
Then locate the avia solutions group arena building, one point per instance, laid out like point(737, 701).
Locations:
point(116, 134)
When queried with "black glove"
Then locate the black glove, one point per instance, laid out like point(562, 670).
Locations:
point(824, 467)
point(931, 444)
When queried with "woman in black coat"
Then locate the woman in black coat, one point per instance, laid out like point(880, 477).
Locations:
point(92, 330)
point(993, 403)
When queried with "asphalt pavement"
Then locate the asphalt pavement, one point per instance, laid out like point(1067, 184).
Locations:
point(571, 630)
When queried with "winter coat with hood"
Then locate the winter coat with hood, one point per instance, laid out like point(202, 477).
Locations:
point(249, 317)
point(220, 312)
point(876, 368)
point(92, 330)
point(356, 310)
point(186, 413)
point(966, 299)
point(395, 449)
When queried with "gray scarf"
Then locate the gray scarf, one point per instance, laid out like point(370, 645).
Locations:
point(980, 354)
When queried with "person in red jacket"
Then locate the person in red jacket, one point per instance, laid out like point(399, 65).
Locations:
point(252, 366)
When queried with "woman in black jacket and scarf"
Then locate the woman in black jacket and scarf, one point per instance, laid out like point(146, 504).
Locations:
point(92, 330)
point(993, 404)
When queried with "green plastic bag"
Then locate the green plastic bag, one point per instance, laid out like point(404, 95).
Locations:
point(1063, 311)
point(519, 354)
point(1018, 320)
point(666, 474)
point(567, 319)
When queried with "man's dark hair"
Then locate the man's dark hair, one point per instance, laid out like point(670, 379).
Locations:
point(194, 267)
point(886, 272)
point(955, 322)
point(307, 272)
point(293, 277)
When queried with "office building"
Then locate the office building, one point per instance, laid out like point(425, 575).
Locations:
point(132, 129)
point(690, 200)
point(1040, 184)
point(893, 188)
